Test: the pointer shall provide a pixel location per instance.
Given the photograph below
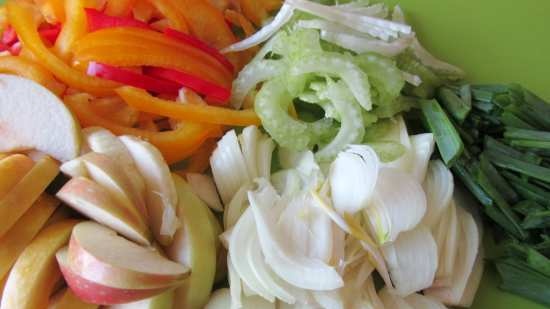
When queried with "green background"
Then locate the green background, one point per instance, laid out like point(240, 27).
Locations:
point(494, 41)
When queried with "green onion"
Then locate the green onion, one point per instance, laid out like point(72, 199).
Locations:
point(518, 277)
point(499, 182)
point(456, 106)
point(530, 144)
point(537, 220)
point(511, 120)
point(468, 180)
point(527, 190)
point(527, 206)
point(447, 138)
point(523, 134)
point(496, 146)
point(516, 165)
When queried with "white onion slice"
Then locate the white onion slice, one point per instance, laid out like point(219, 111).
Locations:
point(235, 208)
point(393, 301)
point(439, 187)
point(329, 299)
point(432, 62)
point(266, 146)
point(248, 140)
point(412, 261)
point(423, 148)
point(361, 45)
point(447, 245)
point(203, 186)
point(301, 271)
point(284, 15)
point(419, 301)
point(234, 284)
point(220, 299)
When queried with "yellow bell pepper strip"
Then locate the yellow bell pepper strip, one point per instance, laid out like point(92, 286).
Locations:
point(52, 10)
point(207, 23)
point(175, 145)
point(200, 160)
point(142, 47)
point(188, 111)
point(20, 18)
point(25, 68)
point(119, 8)
point(254, 11)
point(171, 11)
point(74, 27)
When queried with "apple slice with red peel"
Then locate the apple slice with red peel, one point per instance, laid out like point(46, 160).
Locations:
point(103, 141)
point(98, 254)
point(162, 301)
point(194, 245)
point(32, 117)
point(161, 195)
point(96, 293)
point(95, 202)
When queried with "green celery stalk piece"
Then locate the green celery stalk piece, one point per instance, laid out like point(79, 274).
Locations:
point(523, 134)
point(456, 106)
point(512, 225)
point(524, 143)
point(537, 220)
point(518, 277)
point(446, 136)
point(517, 165)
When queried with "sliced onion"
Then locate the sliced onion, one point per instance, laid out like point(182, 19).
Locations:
point(251, 75)
point(249, 145)
point(439, 186)
point(284, 15)
point(353, 177)
point(398, 205)
point(237, 206)
point(419, 301)
point(423, 148)
point(393, 301)
point(362, 45)
point(287, 182)
point(220, 299)
point(447, 245)
point(379, 10)
point(234, 284)
point(203, 186)
point(432, 62)
point(240, 242)
point(400, 134)
point(468, 252)
point(329, 299)
point(398, 15)
point(473, 282)
point(301, 271)
point(266, 146)
point(412, 261)
point(229, 166)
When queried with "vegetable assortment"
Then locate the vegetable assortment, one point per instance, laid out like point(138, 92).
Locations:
point(494, 137)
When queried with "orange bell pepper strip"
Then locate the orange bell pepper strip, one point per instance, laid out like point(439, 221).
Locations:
point(52, 10)
point(20, 18)
point(28, 69)
point(272, 5)
point(186, 111)
point(199, 162)
point(254, 11)
point(119, 8)
point(240, 20)
point(175, 145)
point(143, 10)
point(113, 108)
point(74, 27)
point(3, 19)
point(207, 23)
point(171, 11)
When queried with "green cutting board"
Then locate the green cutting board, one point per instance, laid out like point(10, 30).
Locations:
point(493, 41)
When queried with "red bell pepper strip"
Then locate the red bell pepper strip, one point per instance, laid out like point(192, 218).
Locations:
point(98, 20)
point(131, 78)
point(16, 48)
point(218, 95)
point(193, 41)
point(9, 37)
point(11, 43)
point(50, 34)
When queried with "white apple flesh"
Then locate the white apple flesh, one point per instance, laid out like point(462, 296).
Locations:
point(32, 117)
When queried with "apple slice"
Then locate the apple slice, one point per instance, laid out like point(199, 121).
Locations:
point(161, 194)
point(65, 299)
point(95, 202)
point(22, 233)
point(74, 168)
point(31, 117)
point(103, 141)
point(14, 204)
point(95, 293)
point(98, 254)
point(162, 301)
point(13, 169)
point(35, 273)
point(194, 245)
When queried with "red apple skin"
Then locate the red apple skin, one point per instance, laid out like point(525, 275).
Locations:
point(91, 268)
point(95, 293)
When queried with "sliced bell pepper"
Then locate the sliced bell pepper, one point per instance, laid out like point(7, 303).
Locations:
point(131, 78)
point(51, 34)
point(143, 101)
point(193, 41)
point(52, 10)
point(15, 49)
point(254, 11)
point(272, 5)
point(207, 23)
point(3, 18)
point(143, 10)
point(213, 91)
point(9, 37)
point(28, 69)
point(161, 25)
point(170, 10)
point(74, 27)
point(98, 20)
point(119, 8)
point(10, 41)
point(175, 145)
point(114, 109)
point(199, 162)
point(20, 18)
point(240, 20)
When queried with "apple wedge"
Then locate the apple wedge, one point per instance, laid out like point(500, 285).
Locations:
point(161, 195)
point(95, 202)
point(31, 117)
point(95, 293)
point(13, 169)
point(14, 204)
point(194, 245)
point(162, 301)
point(103, 141)
point(22, 233)
point(35, 273)
point(98, 254)
point(65, 299)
